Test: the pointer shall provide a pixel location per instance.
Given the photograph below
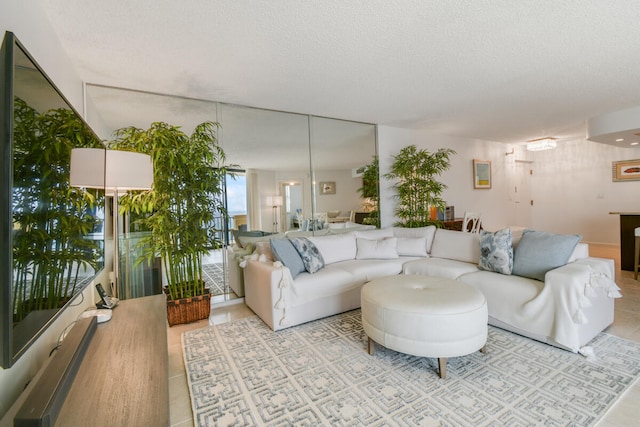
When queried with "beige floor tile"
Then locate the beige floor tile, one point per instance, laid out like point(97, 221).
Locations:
point(179, 400)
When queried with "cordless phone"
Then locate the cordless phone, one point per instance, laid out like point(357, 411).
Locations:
point(107, 301)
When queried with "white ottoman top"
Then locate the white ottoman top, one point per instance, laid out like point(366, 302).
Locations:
point(423, 294)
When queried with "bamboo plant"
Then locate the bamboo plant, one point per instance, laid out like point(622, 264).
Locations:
point(51, 218)
point(417, 188)
point(370, 190)
point(181, 208)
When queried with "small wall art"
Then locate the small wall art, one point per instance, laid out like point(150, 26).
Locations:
point(481, 174)
point(328, 187)
point(626, 170)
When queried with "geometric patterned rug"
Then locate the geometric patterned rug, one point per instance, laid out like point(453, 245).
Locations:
point(243, 374)
point(213, 275)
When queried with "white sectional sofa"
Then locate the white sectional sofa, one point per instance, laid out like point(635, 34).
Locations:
point(572, 303)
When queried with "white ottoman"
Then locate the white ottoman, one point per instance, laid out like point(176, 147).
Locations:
point(424, 316)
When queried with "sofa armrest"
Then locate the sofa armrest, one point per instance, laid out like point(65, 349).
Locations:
point(580, 251)
point(575, 287)
point(264, 293)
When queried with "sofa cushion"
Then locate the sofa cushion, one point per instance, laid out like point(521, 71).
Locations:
point(439, 267)
point(539, 251)
point(427, 232)
point(238, 236)
point(366, 270)
point(456, 245)
point(243, 239)
point(377, 249)
point(507, 297)
point(311, 257)
point(412, 246)
point(496, 251)
point(284, 251)
point(374, 234)
point(335, 248)
point(331, 280)
point(264, 248)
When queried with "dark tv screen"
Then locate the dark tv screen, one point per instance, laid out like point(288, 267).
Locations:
point(51, 234)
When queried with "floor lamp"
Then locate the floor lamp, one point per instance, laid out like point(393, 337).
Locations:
point(117, 172)
point(275, 202)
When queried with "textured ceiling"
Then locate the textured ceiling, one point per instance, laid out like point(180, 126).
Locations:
point(505, 71)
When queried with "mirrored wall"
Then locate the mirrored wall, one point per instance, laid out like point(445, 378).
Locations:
point(292, 168)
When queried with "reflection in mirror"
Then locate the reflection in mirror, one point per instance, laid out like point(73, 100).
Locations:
point(275, 152)
point(57, 235)
point(272, 148)
point(339, 148)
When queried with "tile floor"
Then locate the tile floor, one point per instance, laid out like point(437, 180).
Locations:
point(625, 412)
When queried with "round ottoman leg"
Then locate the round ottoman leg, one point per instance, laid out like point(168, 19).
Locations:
point(371, 346)
point(442, 367)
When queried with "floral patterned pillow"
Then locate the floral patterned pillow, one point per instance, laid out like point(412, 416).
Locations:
point(496, 251)
point(311, 257)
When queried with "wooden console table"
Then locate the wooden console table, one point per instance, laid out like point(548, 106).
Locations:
point(123, 379)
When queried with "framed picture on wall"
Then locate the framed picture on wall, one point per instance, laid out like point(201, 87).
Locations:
point(626, 170)
point(328, 187)
point(481, 174)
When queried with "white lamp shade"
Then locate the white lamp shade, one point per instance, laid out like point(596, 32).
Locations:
point(126, 170)
point(87, 167)
point(274, 200)
point(110, 169)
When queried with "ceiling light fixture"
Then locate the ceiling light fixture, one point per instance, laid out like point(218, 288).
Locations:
point(635, 143)
point(540, 144)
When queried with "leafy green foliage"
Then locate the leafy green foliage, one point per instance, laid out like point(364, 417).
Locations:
point(51, 218)
point(370, 189)
point(181, 208)
point(415, 172)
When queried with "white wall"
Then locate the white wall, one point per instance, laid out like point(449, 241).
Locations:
point(346, 198)
point(496, 204)
point(28, 22)
point(571, 186)
point(574, 192)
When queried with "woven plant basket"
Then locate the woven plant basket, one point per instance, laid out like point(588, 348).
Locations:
point(187, 310)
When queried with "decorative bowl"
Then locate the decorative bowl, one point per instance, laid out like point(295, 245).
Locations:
point(333, 214)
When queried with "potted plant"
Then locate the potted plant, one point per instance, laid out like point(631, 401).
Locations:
point(180, 210)
point(417, 188)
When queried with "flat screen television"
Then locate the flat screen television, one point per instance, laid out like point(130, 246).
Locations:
point(51, 234)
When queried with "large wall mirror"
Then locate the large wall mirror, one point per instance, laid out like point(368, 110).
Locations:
point(52, 234)
point(291, 169)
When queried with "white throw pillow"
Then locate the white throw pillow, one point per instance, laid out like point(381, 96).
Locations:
point(427, 232)
point(412, 246)
point(375, 234)
point(377, 249)
point(335, 247)
point(456, 245)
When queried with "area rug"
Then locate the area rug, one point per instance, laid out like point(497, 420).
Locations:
point(214, 277)
point(243, 374)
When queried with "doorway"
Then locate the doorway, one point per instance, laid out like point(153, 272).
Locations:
point(291, 214)
point(523, 197)
point(215, 264)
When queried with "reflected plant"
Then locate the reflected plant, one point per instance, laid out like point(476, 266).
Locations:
point(370, 191)
point(51, 218)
